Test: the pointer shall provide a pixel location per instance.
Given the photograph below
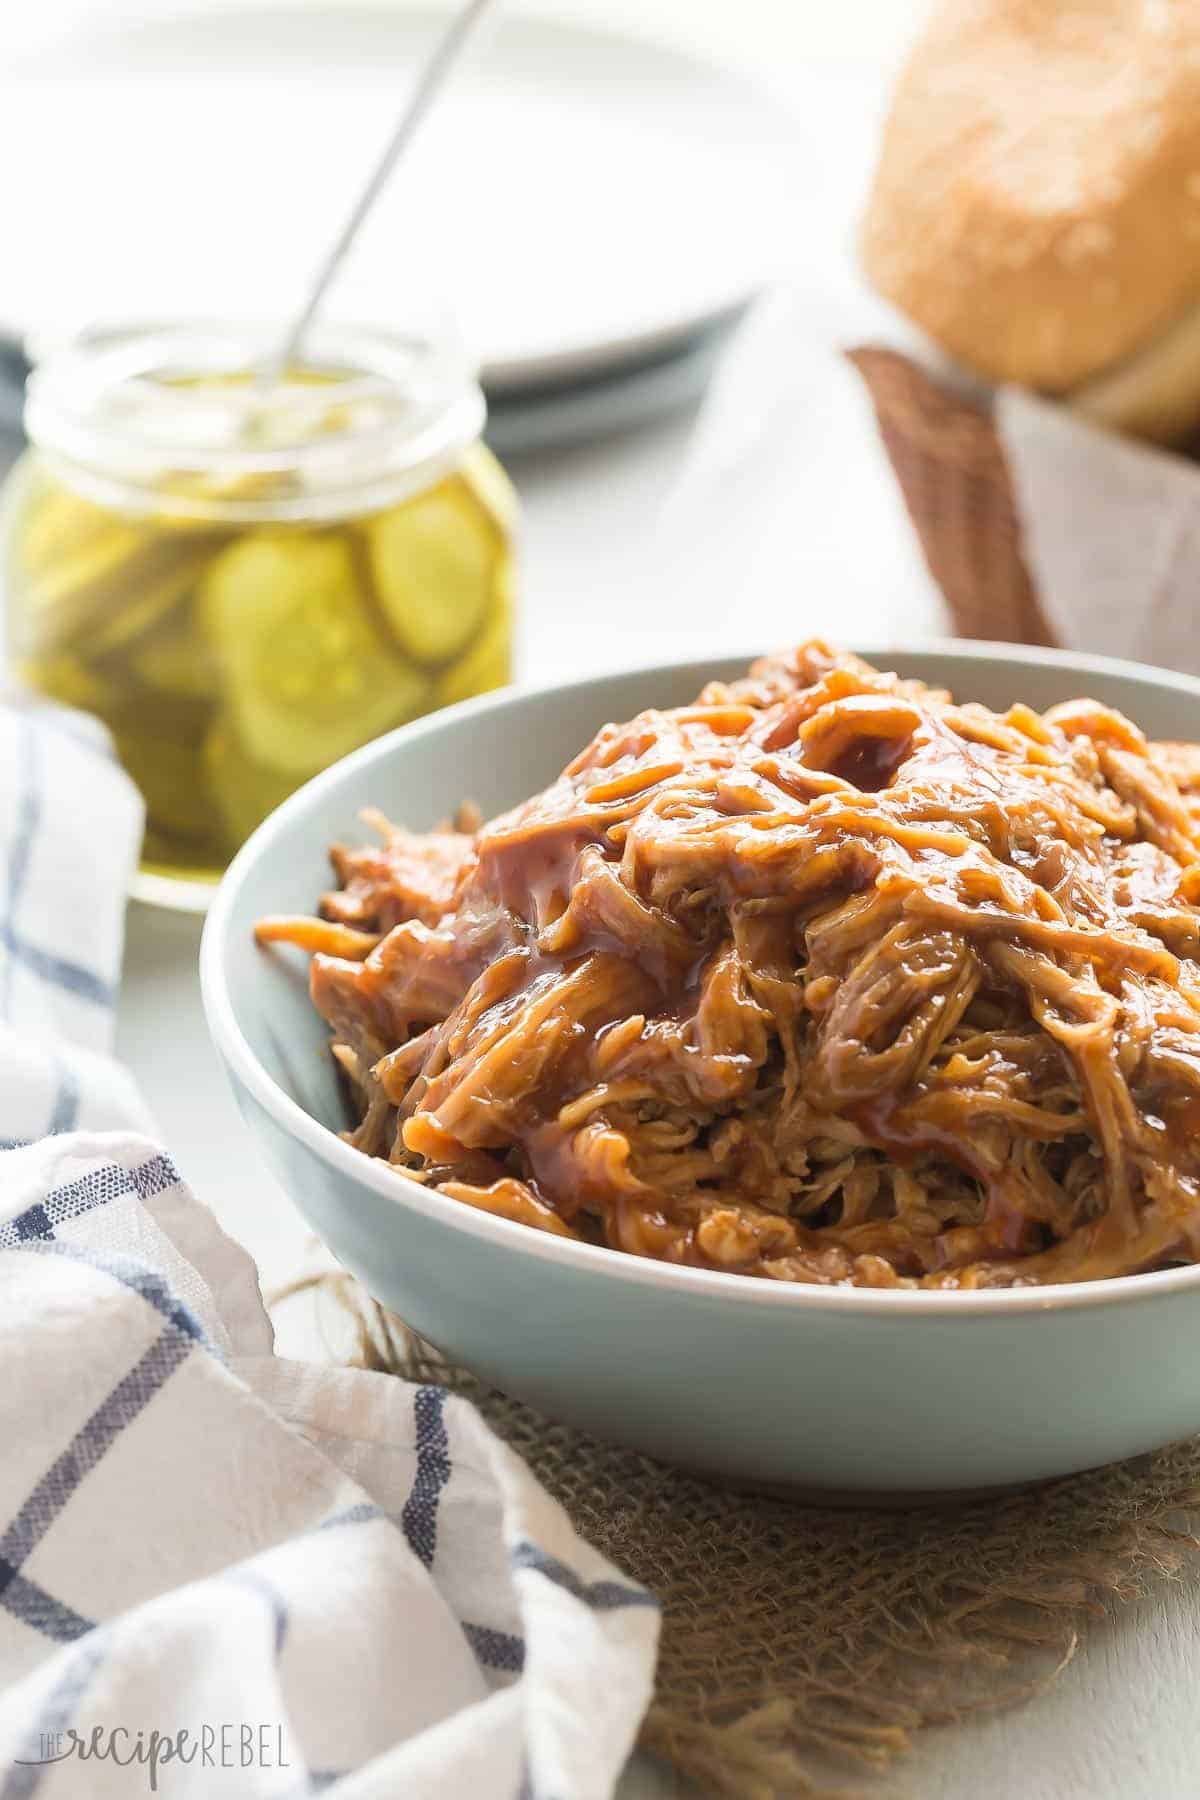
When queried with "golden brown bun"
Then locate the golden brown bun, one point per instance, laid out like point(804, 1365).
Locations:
point(1037, 204)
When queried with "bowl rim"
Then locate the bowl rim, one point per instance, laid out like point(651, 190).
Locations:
point(728, 1287)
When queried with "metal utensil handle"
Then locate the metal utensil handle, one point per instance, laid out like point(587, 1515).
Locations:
point(431, 79)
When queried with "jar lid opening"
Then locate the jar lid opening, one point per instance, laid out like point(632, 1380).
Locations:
point(175, 417)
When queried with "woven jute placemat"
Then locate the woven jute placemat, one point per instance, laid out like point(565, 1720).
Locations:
point(804, 1647)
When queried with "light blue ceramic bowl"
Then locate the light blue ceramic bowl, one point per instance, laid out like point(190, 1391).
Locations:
point(762, 1383)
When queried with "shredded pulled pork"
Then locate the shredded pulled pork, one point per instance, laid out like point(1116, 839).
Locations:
point(824, 978)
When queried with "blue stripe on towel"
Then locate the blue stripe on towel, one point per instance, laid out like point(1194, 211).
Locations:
point(257, 1583)
point(109, 1181)
point(147, 1283)
point(88, 1448)
point(603, 1596)
point(418, 1518)
point(21, 851)
point(496, 1649)
point(20, 1597)
point(47, 965)
point(26, 1601)
point(58, 971)
point(352, 1515)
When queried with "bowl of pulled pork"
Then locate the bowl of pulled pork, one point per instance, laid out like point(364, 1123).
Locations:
point(787, 1067)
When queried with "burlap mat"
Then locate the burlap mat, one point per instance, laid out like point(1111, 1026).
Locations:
point(804, 1647)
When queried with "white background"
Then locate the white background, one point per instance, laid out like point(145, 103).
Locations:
point(1123, 1722)
point(760, 36)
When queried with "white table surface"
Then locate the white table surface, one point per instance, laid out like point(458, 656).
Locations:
point(1122, 1722)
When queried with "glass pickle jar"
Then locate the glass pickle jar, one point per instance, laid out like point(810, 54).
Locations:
point(247, 580)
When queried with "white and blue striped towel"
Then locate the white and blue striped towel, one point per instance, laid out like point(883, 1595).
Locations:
point(223, 1573)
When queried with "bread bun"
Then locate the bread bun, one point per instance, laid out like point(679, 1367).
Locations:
point(1036, 209)
point(1155, 393)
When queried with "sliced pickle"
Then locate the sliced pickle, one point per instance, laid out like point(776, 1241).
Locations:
point(171, 777)
point(232, 660)
point(109, 592)
point(60, 596)
point(242, 790)
point(487, 664)
point(73, 683)
point(432, 563)
point(151, 604)
point(58, 524)
point(115, 692)
point(178, 658)
point(309, 675)
point(489, 484)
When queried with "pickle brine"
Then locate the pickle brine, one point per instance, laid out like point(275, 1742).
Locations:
point(232, 661)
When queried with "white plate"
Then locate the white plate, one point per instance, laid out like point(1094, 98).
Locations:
point(555, 417)
point(583, 198)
